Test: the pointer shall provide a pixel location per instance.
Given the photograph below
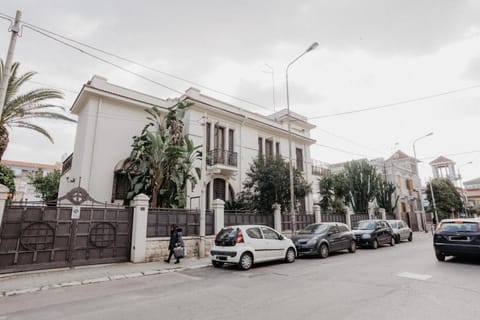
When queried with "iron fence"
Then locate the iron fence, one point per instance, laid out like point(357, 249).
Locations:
point(334, 217)
point(159, 221)
point(355, 218)
point(301, 221)
point(236, 217)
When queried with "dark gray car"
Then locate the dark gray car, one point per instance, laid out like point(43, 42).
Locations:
point(322, 238)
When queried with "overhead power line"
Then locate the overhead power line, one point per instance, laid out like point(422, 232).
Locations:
point(340, 150)
point(38, 29)
point(394, 104)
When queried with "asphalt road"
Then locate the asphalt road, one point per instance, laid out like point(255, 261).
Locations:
point(401, 282)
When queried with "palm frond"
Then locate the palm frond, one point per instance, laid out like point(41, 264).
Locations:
point(33, 127)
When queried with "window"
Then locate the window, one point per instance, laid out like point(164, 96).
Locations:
point(219, 137)
point(277, 148)
point(270, 234)
point(333, 229)
point(230, 140)
point(260, 147)
point(207, 138)
point(254, 233)
point(343, 228)
point(120, 186)
point(219, 189)
point(299, 153)
point(269, 148)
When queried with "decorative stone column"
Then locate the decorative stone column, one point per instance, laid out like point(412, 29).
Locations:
point(277, 217)
point(139, 228)
point(317, 211)
point(3, 199)
point(348, 216)
point(383, 213)
point(218, 207)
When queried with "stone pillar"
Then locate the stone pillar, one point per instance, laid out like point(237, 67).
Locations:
point(317, 211)
point(371, 213)
point(3, 199)
point(139, 228)
point(383, 213)
point(348, 216)
point(277, 217)
point(218, 207)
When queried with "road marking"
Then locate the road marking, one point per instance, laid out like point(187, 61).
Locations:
point(414, 276)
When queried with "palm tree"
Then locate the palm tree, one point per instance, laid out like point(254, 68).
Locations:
point(20, 108)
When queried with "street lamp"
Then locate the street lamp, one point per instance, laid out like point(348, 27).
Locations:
point(290, 165)
point(464, 196)
point(424, 220)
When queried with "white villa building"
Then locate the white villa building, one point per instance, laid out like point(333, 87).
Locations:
point(109, 116)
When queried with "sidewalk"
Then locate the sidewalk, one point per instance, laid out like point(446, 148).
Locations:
point(28, 282)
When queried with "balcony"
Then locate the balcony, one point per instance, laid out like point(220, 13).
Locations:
point(222, 161)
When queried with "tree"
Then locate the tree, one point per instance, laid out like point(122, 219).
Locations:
point(162, 159)
point(7, 178)
point(20, 108)
point(268, 182)
point(362, 180)
point(446, 197)
point(334, 193)
point(384, 197)
point(46, 185)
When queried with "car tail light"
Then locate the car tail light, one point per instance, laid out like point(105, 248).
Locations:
point(240, 237)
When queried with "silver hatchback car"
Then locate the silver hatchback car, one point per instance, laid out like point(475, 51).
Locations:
point(401, 230)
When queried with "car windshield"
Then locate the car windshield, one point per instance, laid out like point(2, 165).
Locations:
point(365, 225)
point(393, 224)
point(314, 228)
point(459, 227)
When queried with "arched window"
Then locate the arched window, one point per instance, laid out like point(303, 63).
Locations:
point(219, 189)
point(120, 182)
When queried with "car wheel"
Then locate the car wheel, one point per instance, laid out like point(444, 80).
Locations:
point(323, 251)
point(246, 261)
point(397, 238)
point(217, 264)
point(440, 257)
point(392, 241)
point(410, 237)
point(375, 244)
point(290, 255)
point(353, 246)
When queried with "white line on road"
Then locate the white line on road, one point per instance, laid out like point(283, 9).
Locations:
point(414, 276)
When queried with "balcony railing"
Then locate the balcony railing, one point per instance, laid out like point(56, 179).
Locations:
point(223, 157)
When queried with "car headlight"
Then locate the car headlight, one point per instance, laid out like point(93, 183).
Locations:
point(312, 241)
point(366, 236)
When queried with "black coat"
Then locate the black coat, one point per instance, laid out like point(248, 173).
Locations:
point(175, 238)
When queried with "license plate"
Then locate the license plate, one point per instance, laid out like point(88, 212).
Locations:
point(222, 258)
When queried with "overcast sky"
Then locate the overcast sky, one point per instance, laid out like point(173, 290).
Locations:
point(370, 53)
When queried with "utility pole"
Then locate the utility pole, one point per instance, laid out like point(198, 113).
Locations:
point(434, 204)
point(9, 60)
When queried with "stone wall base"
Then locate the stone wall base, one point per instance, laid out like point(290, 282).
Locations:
point(157, 248)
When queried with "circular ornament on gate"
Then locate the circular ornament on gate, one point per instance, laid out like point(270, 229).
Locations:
point(37, 236)
point(102, 235)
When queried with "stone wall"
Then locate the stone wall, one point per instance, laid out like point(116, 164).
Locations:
point(157, 248)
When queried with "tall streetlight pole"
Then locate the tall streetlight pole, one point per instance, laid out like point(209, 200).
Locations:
point(290, 165)
point(464, 196)
point(424, 220)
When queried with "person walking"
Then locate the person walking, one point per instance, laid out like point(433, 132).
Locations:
point(176, 240)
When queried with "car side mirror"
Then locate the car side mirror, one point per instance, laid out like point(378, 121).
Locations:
point(330, 233)
point(280, 237)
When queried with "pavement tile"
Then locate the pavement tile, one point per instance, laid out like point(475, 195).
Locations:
point(96, 280)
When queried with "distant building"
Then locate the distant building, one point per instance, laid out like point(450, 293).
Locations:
point(443, 167)
point(472, 192)
point(21, 171)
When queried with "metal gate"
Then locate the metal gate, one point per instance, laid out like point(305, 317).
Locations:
point(40, 237)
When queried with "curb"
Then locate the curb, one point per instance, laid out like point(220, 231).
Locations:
point(132, 275)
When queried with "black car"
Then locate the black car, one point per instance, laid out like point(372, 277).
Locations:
point(322, 238)
point(457, 237)
point(373, 233)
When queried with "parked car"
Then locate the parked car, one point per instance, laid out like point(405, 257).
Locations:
point(457, 237)
point(322, 238)
point(401, 230)
point(373, 233)
point(246, 245)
